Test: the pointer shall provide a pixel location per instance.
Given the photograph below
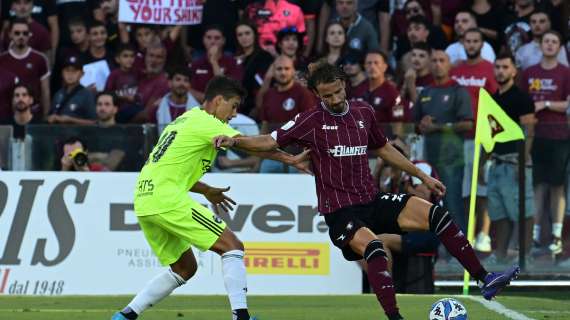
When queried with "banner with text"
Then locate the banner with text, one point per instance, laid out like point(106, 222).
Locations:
point(170, 12)
point(56, 228)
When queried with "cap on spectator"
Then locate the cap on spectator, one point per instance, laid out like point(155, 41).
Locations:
point(353, 57)
point(72, 61)
point(290, 31)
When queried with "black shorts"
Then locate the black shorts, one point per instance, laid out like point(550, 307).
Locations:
point(380, 216)
point(549, 158)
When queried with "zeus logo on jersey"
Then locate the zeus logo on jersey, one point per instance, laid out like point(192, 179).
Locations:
point(327, 127)
point(344, 151)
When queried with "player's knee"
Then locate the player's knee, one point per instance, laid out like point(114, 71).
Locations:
point(185, 269)
point(188, 273)
point(374, 250)
point(182, 275)
point(439, 219)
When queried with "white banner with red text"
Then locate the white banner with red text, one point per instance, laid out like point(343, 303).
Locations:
point(76, 233)
point(168, 12)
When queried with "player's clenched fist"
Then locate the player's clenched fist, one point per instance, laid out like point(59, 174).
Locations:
point(224, 142)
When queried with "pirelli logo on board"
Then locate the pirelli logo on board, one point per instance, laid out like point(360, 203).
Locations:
point(297, 258)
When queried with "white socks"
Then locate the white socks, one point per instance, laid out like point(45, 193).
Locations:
point(155, 290)
point(164, 283)
point(557, 230)
point(235, 281)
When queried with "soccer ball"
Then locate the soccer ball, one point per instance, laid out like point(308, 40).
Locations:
point(447, 309)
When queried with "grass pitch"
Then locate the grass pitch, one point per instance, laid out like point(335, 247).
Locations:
point(551, 306)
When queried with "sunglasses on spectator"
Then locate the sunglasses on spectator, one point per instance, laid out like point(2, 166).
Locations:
point(22, 33)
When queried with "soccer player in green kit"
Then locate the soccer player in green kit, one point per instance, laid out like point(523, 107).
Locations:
point(172, 222)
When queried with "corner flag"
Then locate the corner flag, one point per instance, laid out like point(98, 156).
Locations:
point(493, 124)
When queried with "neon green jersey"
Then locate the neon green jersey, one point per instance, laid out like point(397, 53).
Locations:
point(183, 154)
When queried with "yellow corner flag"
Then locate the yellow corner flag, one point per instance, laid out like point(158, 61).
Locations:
point(493, 125)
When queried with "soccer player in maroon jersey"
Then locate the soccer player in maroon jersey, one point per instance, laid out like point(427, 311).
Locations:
point(340, 134)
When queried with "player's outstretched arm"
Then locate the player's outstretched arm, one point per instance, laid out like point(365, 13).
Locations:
point(395, 158)
point(251, 143)
point(264, 146)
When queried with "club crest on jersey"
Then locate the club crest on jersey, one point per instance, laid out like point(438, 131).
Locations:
point(327, 127)
point(348, 151)
point(288, 104)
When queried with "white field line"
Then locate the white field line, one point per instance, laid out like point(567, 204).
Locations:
point(498, 308)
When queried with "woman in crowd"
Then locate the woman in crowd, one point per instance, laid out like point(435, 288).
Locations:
point(254, 61)
point(335, 43)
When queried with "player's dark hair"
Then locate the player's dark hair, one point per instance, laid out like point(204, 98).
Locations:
point(475, 30)
point(111, 94)
point(325, 73)
point(424, 46)
point(506, 55)
point(224, 86)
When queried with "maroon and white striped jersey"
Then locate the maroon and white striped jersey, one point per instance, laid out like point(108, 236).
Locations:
point(339, 145)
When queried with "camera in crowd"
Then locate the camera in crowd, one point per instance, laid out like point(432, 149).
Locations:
point(79, 157)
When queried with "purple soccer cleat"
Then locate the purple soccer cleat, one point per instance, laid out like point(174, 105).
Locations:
point(495, 282)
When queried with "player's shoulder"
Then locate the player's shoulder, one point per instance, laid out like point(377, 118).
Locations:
point(360, 106)
point(313, 114)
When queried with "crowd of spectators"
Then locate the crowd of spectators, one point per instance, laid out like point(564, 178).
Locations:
point(418, 63)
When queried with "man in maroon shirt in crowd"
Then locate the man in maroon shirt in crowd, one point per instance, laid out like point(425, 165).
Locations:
point(214, 62)
point(153, 84)
point(177, 101)
point(281, 103)
point(475, 73)
point(340, 134)
point(383, 95)
point(357, 86)
point(39, 35)
point(7, 83)
point(123, 81)
point(30, 66)
point(419, 75)
point(548, 84)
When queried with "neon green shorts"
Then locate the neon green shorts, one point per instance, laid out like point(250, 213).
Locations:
point(170, 234)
